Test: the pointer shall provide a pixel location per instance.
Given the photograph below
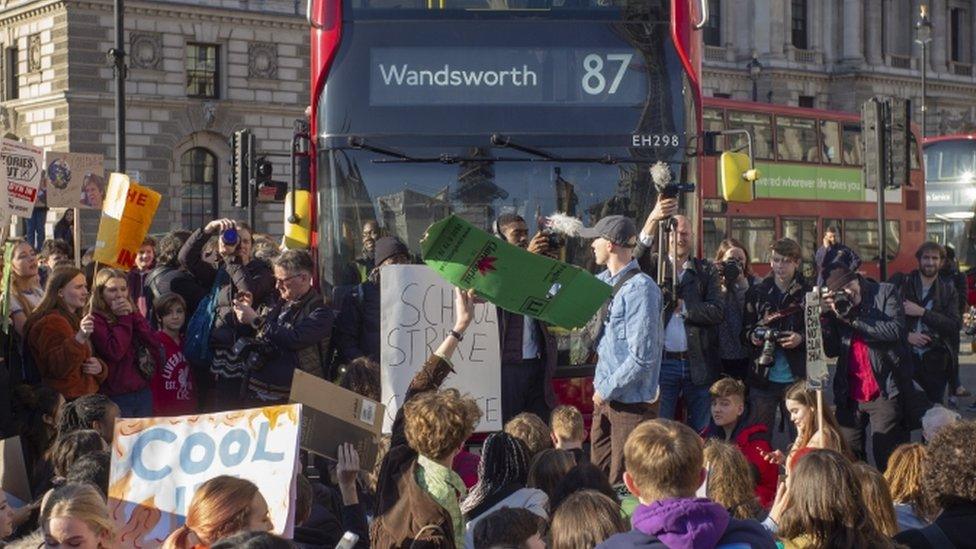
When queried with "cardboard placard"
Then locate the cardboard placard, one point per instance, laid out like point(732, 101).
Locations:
point(158, 463)
point(416, 314)
point(512, 278)
point(332, 415)
point(127, 214)
point(13, 473)
point(24, 169)
point(74, 180)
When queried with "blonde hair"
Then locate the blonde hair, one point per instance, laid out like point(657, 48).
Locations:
point(80, 501)
point(219, 508)
point(904, 477)
point(730, 480)
point(664, 458)
point(20, 285)
point(726, 387)
point(567, 423)
point(877, 499)
point(438, 422)
point(585, 519)
point(98, 302)
point(530, 429)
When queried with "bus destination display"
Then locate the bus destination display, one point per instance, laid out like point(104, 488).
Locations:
point(506, 76)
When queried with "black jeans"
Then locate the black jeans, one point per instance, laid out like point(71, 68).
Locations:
point(884, 417)
point(932, 371)
point(523, 390)
point(764, 401)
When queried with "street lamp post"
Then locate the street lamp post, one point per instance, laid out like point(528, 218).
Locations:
point(923, 35)
point(755, 68)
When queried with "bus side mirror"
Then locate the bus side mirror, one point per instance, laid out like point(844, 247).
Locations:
point(298, 235)
point(710, 143)
point(737, 177)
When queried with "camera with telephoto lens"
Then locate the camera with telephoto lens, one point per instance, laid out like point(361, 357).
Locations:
point(842, 301)
point(769, 337)
point(251, 352)
point(672, 190)
point(731, 269)
point(230, 237)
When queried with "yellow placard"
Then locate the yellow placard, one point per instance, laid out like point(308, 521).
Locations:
point(734, 186)
point(127, 214)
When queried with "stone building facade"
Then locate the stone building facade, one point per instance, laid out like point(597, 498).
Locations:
point(198, 71)
point(835, 54)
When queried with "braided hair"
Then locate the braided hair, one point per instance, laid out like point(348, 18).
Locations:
point(82, 412)
point(504, 461)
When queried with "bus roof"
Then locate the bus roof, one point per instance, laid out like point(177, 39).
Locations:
point(953, 137)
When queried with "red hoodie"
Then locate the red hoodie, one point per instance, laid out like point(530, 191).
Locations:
point(173, 389)
point(753, 441)
point(115, 343)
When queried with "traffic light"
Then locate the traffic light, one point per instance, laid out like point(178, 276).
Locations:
point(886, 126)
point(243, 167)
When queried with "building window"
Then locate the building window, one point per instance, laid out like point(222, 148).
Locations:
point(719, 95)
point(959, 35)
point(199, 190)
point(806, 101)
point(713, 29)
point(202, 70)
point(798, 21)
point(11, 76)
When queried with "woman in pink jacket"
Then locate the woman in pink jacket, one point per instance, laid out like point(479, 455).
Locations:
point(119, 332)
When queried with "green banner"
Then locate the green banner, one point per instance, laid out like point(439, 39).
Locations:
point(809, 182)
point(512, 278)
point(8, 260)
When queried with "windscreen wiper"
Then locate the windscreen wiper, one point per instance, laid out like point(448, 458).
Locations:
point(358, 143)
point(505, 142)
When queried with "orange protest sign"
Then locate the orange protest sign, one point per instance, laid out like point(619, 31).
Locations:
point(127, 213)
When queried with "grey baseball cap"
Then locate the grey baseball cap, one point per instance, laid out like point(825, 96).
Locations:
point(618, 229)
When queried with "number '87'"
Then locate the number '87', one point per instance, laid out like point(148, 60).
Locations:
point(594, 82)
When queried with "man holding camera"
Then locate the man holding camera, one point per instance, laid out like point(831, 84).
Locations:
point(691, 360)
point(932, 313)
point(292, 333)
point(231, 272)
point(863, 326)
point(528, 349)
point(773, 325)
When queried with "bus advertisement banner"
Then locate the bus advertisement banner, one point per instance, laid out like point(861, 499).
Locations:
point(809, 182)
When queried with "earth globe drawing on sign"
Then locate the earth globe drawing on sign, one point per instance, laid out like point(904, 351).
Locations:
point(59, 174)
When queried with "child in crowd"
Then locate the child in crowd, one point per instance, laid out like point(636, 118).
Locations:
point(510, 528)
point(730, 423)
point(585, 519)
point(568, 433)
point(548, 468)
point(664, 466)
point(531, 430)
point(731, 480)
point(173, 387)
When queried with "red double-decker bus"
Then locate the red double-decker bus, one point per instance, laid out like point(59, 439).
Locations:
point(811, 178)
point(425, 108)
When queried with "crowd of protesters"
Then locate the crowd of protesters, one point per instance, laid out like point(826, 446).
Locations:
point(696, 367)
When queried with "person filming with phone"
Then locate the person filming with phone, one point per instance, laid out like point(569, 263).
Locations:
point(232, 275)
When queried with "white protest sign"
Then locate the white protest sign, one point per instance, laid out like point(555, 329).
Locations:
point(158, 463)
point(24, 166)
point(416, 314)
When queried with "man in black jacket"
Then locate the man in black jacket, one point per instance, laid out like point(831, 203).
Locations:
point(932, 314)
point(528, 350)
point(691, 361)
point(293, 331)
point(776, 304)
point(358, 325)
point(863, 329)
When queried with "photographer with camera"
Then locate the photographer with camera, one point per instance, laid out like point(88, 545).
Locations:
point(693, 311)
point(774, 328)
point(933, 317)
point(863, 326)
point(293, 331)
point(528, 350)
point(732, 262)
point(231, 273)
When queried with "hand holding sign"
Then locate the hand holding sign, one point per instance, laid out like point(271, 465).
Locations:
point(85, 329)
point(464, 303)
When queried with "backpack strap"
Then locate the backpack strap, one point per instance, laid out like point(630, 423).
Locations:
point(936, 536)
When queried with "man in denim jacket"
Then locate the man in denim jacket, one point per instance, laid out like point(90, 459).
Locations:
point(629, 345)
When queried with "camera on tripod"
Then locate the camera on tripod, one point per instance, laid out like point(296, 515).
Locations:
point(769, 337)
